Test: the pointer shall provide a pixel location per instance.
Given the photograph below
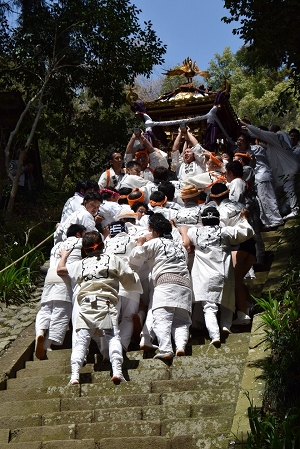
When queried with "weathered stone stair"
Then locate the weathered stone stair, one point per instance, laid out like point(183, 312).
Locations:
point(190, 403)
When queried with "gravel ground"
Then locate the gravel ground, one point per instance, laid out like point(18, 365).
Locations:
point(15, 319)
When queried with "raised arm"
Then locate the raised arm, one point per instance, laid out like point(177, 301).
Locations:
point(61, 267)
point(191, 138)
point(185, 238)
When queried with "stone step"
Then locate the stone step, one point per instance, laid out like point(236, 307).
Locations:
point(86, 430)
point(31, 445)
point(210, 355)
point(97, 415)
point(23, 408)
point(43, 433)
point(135, 367)
point(182, 442)
point(39, 397)
point(194, 347)
point(37, 394)
point(157, 442)
point(99, 430)
point(96, 383)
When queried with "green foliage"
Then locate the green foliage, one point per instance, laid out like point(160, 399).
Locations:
point(282, 368)
point(272, 432)
point(95, 45)
point(264, 97)
point(270, 30)
point(15, 285)
point(75, 145)
point(16, 281)
point(71, 60)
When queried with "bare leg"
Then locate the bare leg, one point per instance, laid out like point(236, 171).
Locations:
point(242, 262)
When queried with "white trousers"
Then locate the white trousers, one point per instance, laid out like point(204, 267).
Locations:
point(53, 319)
point(289, 197)
point(269, 210)
point(171, 321)
point(82, 343)
point(210, 319)
point(126, 308)
point(226, 317)
point(210, 310)
point(75, 312)
point(147, 334)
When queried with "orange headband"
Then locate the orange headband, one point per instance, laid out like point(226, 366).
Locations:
point(215, 160)
point(138, 153)
point(94, 247)
point(217, 195)
point(135, 200)
point(247, 155)
point(158, 203)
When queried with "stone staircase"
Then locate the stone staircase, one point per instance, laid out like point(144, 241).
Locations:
point(190, 402)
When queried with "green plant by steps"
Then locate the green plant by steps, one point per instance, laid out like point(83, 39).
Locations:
point(15, 285)
point(272, 432)
point(282, 368)
point(17, 281)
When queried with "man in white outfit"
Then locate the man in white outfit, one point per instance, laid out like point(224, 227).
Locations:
point(192, 160)
point(172, 304)
point(99, 275)
point(282, 162)
point(53, 318)
point(212, 272)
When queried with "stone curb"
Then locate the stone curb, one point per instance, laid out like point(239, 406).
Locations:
point(252, 386)
point(18, 353)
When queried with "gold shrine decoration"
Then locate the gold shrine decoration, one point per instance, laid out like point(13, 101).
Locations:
point(131, 96)
point(188, 69)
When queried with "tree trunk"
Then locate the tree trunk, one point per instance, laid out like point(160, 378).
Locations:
point(65, 169)
point(23, 153)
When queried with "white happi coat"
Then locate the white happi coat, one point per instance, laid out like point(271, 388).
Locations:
point(109, 210)
point(169, 214)
point(121, 245)
point(99, 278)
point(230, 212)
point(71, 205)
point(237, 190)
point(280, 155)
point(113, 181)
point(165, 256)
point(204, 181)
point(195, 167)
point(189, 215)
point(212, 272)
point(60, 288)
point(80, 216)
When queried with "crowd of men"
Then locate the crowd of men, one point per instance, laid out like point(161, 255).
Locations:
point(155, 251)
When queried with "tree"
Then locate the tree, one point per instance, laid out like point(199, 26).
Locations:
point(270, 31)
point(74, 144)
point(147, 89)
point(62, 48)
point(220, 66)
point(254, 96)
